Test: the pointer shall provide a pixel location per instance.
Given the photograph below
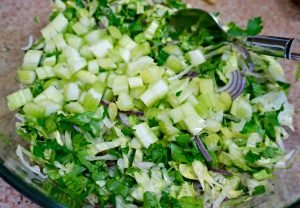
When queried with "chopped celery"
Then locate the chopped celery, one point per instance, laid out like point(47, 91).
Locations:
point(86, 77)
point(196, 57)
point(206, 86)
point(19, 98)
point(175, 63)
point(144, 134)
point(124, 102)
point(151, 74)
point(93, 67)
point(45, 72)
point(31, 59)
point(71, 92)
point(49, 61)
point(135, 82)
point(100, 49)
point(106, 63)
point(74, 107)
point(120, 85)
point(155, 92)
point(26, 77)
point(34, 109)
point(127, 42)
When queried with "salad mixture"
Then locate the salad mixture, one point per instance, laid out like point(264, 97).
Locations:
point(120, 110)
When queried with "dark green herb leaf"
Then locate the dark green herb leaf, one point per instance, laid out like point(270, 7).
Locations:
point(127, 131)
point(178, 93)
point(178, 154)
point(156, 153)
point(183, 139)
point(252, 157)
point(254, 26)
point(259, 190)
point(191, 202)
point(150, 200)
point(118, 187)
point(152, 122)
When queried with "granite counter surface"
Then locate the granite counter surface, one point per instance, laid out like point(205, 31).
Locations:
point(281, 18)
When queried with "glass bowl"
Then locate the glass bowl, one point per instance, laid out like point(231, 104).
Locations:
point(17, 23)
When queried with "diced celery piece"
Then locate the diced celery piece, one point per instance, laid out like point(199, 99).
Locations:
point(114, 32)
point(226, 100)
point(120, 84)
point(112, 111)
point(210, 101)
point(140, 50)
point(86, 52)
point(108, 95)
point(212, 125)
point(135, 82)
point(74, 41)
point(48, 32)
point(194, 124)
point(49, 46)
point(121, 54)
point(19, 98)
point(151, 29)
point(137, 92)
point(241, 108)
point(106, 63)
point(26, 77)
point(175, 63)
point(62, 71)
point(80, 29)
point(124, 102)
point(151, 74)
point(173, 50)
point(165, 123)
point(49, 61)
point(93, 66)
point(75, 62)
point(33, 109)
point(86, 77)
point(94, 36)
point(102, 76)
point(155, 92)
point(54, 94)
point(59, 23)
point(74, 107)
point(101, 48)
point(50, 106)
point(211, 141)
point(186, 93)
point(59, 42)
point(138, 65)
point(71, 91)
point(110, 79)
point(31, 59)
point(127, 42)
point(176, 114)
point(196, 57)
point(91, 100)
point(45, 72)
point(206, 86)
point(194, 85)
point(144, 134)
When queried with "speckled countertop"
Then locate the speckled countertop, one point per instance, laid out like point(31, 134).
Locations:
point(281, 17)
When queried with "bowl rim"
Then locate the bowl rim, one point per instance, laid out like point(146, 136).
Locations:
point(24, 188)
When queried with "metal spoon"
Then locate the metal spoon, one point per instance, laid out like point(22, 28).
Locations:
point(197, 19)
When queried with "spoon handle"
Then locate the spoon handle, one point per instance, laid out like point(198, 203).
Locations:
point(288, 48)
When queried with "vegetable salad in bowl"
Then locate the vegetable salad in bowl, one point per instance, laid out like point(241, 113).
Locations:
point(118, 109)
